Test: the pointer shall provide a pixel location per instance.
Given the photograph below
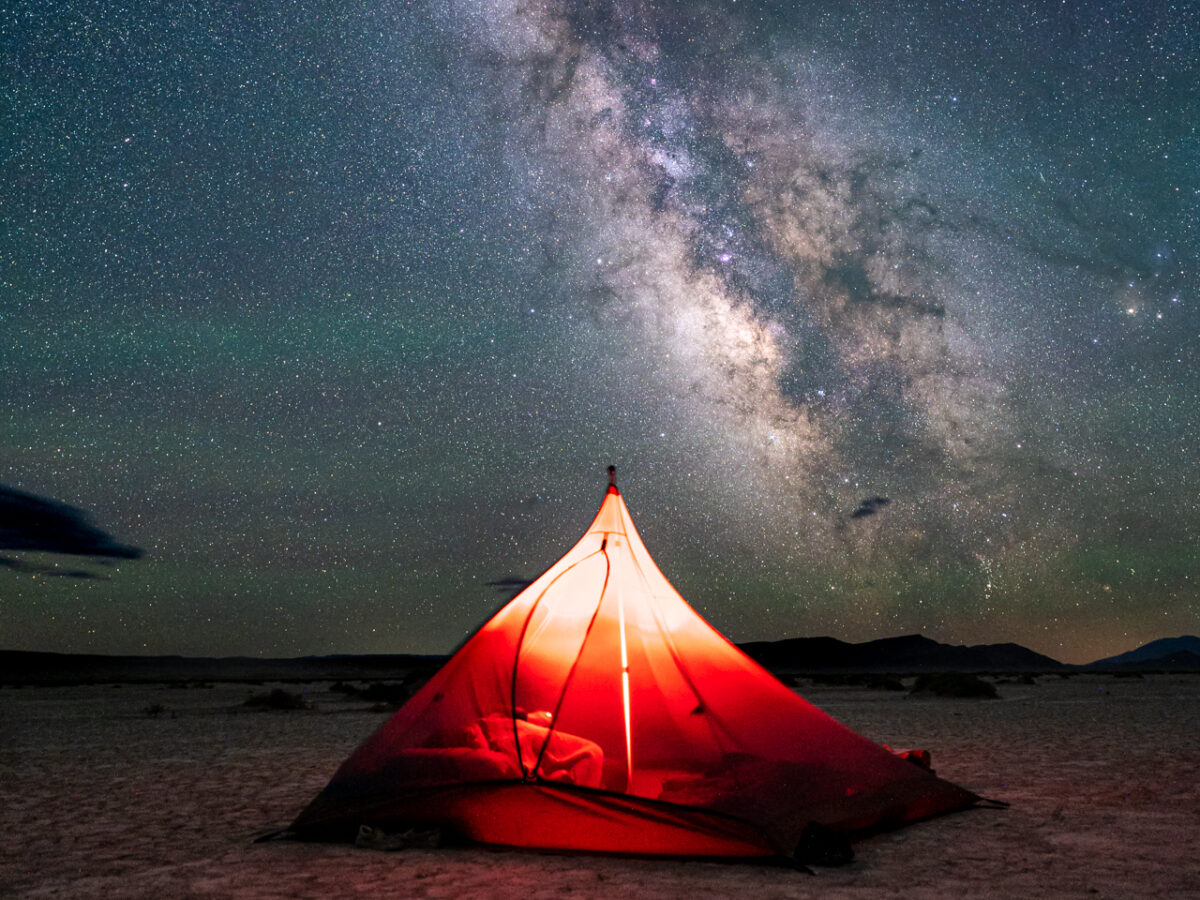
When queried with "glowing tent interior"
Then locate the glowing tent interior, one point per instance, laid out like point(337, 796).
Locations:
point(598, 711)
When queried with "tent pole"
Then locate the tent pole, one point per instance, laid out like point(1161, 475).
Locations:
point(625, 691)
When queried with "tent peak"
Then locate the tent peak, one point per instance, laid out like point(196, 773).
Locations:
point(612, 480)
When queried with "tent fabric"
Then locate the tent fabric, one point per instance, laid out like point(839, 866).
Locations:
point(598, 711)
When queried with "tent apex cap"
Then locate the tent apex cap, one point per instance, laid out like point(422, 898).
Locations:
point(612, 480)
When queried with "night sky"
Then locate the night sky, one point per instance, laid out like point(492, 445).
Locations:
point(887, 314)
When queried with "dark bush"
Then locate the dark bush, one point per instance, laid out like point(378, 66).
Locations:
point(870, 680)
point(954, 684)
point(277, 699)
point(883, 683)
point(393, 695)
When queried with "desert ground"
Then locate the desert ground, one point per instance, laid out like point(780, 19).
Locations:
point(159, 791)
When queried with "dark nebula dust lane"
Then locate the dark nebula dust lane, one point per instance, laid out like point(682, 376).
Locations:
point(887, 316)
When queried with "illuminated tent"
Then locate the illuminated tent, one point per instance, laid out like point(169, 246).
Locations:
point(598, 711)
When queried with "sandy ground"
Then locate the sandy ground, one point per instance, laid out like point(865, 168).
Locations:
point(102, 800)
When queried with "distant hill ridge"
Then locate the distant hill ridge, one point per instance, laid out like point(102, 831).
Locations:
point(1170, 653)
point(907, 653)
point(31, 667)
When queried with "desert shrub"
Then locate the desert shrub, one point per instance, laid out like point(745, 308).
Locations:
point(1015, 679)
point(387, 694)
point(832, 679)
point(870, 680)
point(954, 684)
point(278, 698)
point(882, 682)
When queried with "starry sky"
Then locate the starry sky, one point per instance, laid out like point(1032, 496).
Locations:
point(887, 314)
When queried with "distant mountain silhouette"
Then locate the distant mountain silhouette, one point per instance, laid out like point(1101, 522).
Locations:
point(26, 667)
point(1180, 661)
point(909, 653)
point(1166, 653)
point(897, 655)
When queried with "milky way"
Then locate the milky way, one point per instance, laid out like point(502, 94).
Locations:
point(888, 317)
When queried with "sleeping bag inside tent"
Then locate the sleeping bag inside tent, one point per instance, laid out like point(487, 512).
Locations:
point(598, 711)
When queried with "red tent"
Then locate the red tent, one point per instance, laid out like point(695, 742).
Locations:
point(598, 711)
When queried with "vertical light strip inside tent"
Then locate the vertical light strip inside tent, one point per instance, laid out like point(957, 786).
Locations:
point(625, 687)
